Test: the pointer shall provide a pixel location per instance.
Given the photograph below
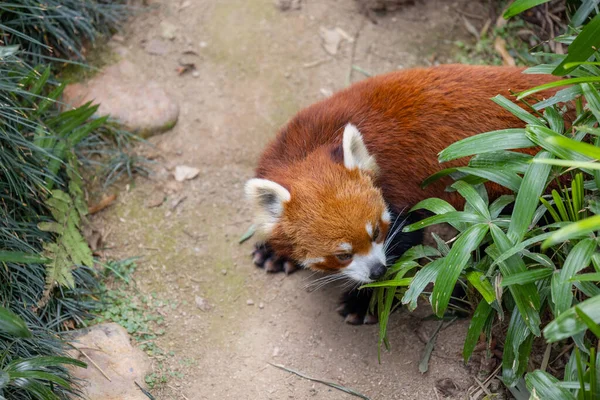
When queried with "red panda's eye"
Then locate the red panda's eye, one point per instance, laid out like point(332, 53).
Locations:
point(343, 257)
point(376, 233)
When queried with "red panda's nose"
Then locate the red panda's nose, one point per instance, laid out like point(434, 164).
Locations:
point(377, 271)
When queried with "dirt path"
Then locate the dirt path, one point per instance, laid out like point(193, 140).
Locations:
point(257, 66)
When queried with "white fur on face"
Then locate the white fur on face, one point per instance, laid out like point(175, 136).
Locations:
point(369, 228)
point(360, 267)
point(311, 261)
point(345, 247)
point(386, 216)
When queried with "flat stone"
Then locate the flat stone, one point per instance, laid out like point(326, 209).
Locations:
point(124, 93)
point(109, 347)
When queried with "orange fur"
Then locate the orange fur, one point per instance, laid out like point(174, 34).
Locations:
point(406, 118)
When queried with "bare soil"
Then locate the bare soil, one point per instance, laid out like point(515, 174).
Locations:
point(255, 67)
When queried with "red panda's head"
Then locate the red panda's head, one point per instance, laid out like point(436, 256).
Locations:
point(330, 215)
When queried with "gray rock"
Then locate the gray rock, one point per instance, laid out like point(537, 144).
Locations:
point(124, 93)
point(109, 347)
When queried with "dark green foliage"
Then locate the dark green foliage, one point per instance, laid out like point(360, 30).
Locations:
point(58, 29)
point(540, 263)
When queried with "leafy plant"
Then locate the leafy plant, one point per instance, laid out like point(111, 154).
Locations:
point(58, 30)
point(31, 375)
point(536, 267)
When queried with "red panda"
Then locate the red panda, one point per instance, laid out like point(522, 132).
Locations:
point(327, 186)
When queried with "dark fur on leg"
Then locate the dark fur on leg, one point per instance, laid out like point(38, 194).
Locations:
point(264, 257)
point(354, 306)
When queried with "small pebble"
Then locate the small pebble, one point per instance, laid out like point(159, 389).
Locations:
point(224, 271)
point(261, 305)
point(250, 302)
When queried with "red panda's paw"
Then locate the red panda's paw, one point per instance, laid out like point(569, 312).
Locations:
point(264, 257)
point(354, 307)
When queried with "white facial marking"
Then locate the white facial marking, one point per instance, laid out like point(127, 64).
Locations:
point(386, 216)
point(311, 261)
point(345, 247)
point(360, 267)
point(369, 228)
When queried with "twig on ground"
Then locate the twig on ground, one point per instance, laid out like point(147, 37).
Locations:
point(94, 364)
point(330, 384)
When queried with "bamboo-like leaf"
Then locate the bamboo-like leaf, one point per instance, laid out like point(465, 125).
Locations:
point(562, 96)
point(552, 85)
point(516, 110)
point(571, 164)
point(517, 336)
point(591, 325)
point(481, 315)
point(527, 198)
point(592, 97)
point(499, 204)
point(505, 139)
point(454, 263)
point(544, 386)
point(473, 198)
point(578, 258)
point(591, 277)
point(391, 283)
point(508, 179)
point(584, 10)
point(579, 147)
point(482, 284)
point(569, 324)
point(451, 218)
point(420, 281)
point(526, 296)
point(521, 5)
point(505, 160)
point(527, 277)
point(584, 45)
point(575, 229)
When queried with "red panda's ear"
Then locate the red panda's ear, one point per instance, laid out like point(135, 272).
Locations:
point(267, 198)
point(356, 154)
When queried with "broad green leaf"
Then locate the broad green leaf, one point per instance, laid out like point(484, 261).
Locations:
point(542, 135)
point(481, 315)
point(391, 283)
point(482, 284)
point(555, 120)
point(422, 278)
point(571, 163)
point(526, 296)
point(506, 160)
point(559, 83)
point(40, 375)
point(473, 198)
point(527, 277)
point(578, 258)
point(562, 96)
point(505, 139)
point(569, 324)
point(592, 326)
point(534, 183)
point(517, 336)
point(516, 110)
point(584, 10)
point(454, 263)
point(575, 229)
point(592, 97)
point(591, 277)
point(584, 45)
point(20, 257)
point(508, 179)
point(499, 204)
point(521, 5)
point(452, 218)
point(436, 206)
point(579, 147)
point(544, 386)
point(11, 324)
